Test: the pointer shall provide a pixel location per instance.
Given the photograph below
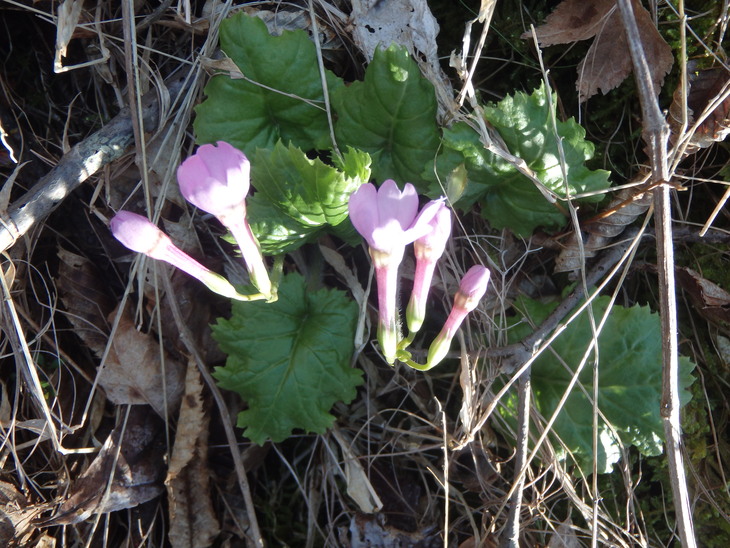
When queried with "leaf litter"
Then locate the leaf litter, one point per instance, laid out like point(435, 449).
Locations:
point(607, 62)
point(393, 429)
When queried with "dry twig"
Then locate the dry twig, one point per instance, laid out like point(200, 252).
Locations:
point(656, 133)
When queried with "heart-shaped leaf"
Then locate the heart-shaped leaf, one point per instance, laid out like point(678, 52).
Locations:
point(289, 360)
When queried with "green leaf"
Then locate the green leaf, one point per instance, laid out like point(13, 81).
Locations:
point(290, 107)
point(507, 198)
point(289, 360)
point(629, 386)
point(391, 115)
point(276, 232)
point(297, 197)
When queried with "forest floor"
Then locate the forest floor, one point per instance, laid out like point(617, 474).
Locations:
point(113, 431)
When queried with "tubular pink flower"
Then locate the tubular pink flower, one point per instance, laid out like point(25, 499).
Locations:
point(471, 289)
point(428, 249)
point(139, 234)
point(217, 180)
point(388, 219)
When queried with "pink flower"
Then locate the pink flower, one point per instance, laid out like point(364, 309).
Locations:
point(428, 250)
point(139, 234)
point(471, 289)
point(216, 180)
point(388, 219)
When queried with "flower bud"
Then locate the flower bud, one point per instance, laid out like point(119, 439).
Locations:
point(139, 234)
point(471, 289)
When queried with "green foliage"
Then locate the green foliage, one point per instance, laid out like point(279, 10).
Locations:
point(507, 198)
point(391, 115)
point(630, 375)
point(297, 197)
point(289, 360)
point(290, 107)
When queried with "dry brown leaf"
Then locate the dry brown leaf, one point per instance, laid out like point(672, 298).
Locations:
point(572, 21)
point(709, 299)
point(85, 295)
point(366, 531)
point(133, 372)
point(192, 519)
point(135, 469)
point(408, 23)
point(704, 88)
point(608, 62)
point(16, 517)
point(68, 17)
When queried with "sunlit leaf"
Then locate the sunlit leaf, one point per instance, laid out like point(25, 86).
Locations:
point(391, 115)
point(297, 197)
point(629, 385)
point(283, 99)
point(507, 198)
point(289, 360)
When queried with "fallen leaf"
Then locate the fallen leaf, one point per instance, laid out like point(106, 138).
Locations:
point(408, 23)
point(572, 21)
point(16, 516)
point(709, 299)
point(127, 472)
point(86, 298)
point(359, 487)
point(704, 88)
point(366, 531)
point(69, 13)
point(134, 374)
point(607, 62)
point(192, 519)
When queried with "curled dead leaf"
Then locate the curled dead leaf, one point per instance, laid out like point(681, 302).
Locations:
point(607, 62)
point(134, 372)
point(709, 299)
point(705, 91)
point(127, 472)
point(192, 518)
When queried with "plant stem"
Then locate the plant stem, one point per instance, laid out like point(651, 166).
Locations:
point(656, 133)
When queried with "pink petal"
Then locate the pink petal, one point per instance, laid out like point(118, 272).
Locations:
point(363, 209)
point(395, 205)
point(472, 288)
point(435, 241)
point(421, 226)
point(215, 179)
point(139, 234)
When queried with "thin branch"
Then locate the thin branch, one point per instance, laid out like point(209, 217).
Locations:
point(80, 163)
point(511, 534)
point(656, 134)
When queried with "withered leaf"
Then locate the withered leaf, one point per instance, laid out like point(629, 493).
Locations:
point(608, 61)
point(16, 516)
point(708, 298)
point(192, 519)
point(572, 21)
point(85, 296)
point(133, 372)
point(135, 469)
point(704, 88)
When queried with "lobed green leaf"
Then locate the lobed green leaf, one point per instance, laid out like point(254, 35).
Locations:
point(289, 360)
point(283, 99)
point(297, 197)
point(391, 115)
point(629, 386)
point(507, 198)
